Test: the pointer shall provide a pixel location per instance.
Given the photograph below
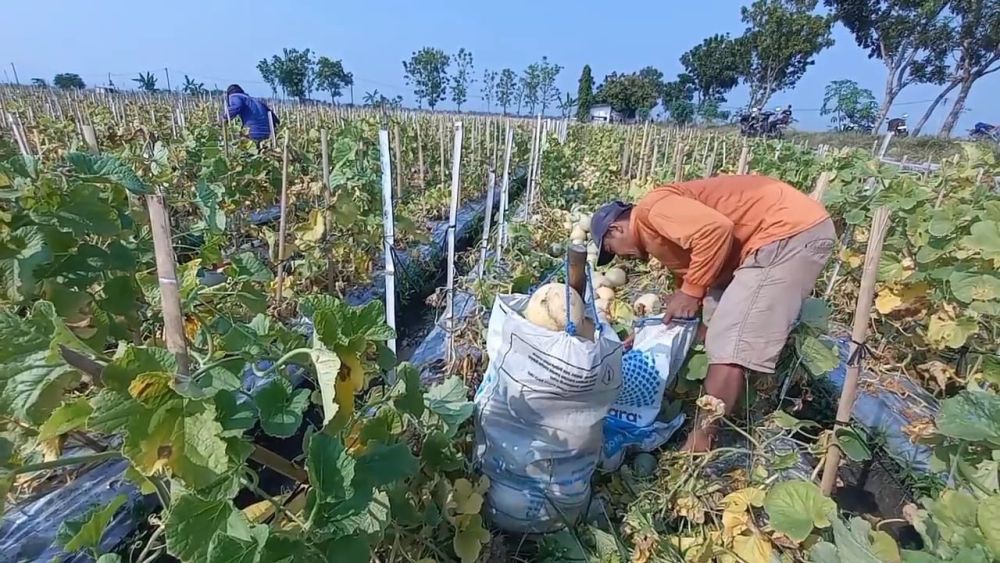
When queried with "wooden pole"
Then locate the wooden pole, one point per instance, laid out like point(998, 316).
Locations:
point(504, 191)
point(398, 152)
point(170, 297)
point(862, 316)
point(679, 163)
point(331, 272)
point(90, 137)
point(577, 276)
point(283, 221)
point(822, 183)
point(420, 158)
point(744, 164)
point(491, 180)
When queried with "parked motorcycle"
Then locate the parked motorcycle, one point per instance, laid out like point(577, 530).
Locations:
point(768, 124)
point(897, 126)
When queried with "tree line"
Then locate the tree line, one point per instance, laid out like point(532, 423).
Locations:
point(948, 43)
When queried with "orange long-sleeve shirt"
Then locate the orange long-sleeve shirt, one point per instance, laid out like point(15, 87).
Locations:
point(702, 230)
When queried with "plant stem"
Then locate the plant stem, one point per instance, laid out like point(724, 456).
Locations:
point(149, 544)
point(62, 462)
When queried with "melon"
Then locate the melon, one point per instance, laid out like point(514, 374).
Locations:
point(578, 233)
point(547, 307)
point(616, 277)
point(648, 304)
point(599, 281)
point(602, 305)
point(605, 293)
point(584, 223)
point(579, 241)
point(568, 225)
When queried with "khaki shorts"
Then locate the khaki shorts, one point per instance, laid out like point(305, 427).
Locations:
point(749, 319)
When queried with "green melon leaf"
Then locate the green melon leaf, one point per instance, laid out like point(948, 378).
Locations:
point(448, 400)
point(106, 169)
point(971, 415)
point(383, 464)
point(69, 416)
point(796, 507)
point(331, 470)
point(969, 287)
point(409, 398)
point(192, 524)
point(280, 407)
point(85, 531)
point(818, 356)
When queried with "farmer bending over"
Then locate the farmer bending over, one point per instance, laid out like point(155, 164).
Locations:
point(251, 111)
point(746, 250)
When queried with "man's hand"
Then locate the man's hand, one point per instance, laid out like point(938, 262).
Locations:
point(680, 306)
point(629, 340)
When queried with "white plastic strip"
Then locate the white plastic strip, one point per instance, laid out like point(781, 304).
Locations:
point(456, 171)
point(389, 240)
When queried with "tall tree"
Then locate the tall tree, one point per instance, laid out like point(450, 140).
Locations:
point(192, 87)
point(547, 91)
point(632, 95)
point(295, 71)
point(269, 74)
point(331, 77)
point(976, 44)
point(584, 94)
point(427, 73)
point(678, 96)
point(567, 104)
point(506, 88)
point(489, 89)
point(68, 81)
point(781, 39)
point(461, 78)
point(852, 107)
point(908, 36)
point(528, 85)
point(715, 66)
point(146, 82)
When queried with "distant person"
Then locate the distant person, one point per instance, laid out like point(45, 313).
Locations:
point(251, 111)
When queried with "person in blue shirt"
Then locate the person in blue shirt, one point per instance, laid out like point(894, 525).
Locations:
point(251, 111)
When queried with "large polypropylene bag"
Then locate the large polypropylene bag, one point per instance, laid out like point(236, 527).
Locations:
point(657, 354)
point(539, 417)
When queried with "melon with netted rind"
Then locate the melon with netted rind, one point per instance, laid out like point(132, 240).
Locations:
point(547, 307)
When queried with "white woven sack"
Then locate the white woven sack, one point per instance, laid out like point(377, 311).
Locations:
point(539, 417)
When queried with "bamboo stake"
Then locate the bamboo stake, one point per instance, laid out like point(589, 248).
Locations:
point(862, 316)
point(679, 163)
point(420, 158)
point(283, 222)
point(170, 297)
point(398, 152)
point(744, 164)
point(331, 271)
point(90, 137)
point(822, 183)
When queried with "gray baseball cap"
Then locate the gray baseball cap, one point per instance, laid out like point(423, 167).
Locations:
point(599, 223)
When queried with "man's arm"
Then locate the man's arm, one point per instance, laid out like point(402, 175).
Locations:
point(705, 232)
point(235, 106)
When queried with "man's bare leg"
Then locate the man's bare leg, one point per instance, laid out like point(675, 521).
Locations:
point(724, 382)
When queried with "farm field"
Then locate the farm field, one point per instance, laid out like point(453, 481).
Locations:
point(199, 325)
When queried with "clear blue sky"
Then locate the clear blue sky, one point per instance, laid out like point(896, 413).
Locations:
point(220, 41)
